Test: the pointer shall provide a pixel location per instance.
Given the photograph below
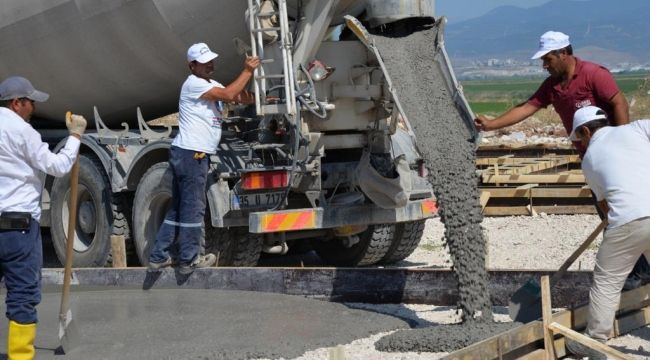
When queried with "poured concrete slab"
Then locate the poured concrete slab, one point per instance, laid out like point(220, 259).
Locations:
point(202, 324)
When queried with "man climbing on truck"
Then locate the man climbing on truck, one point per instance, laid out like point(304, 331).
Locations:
point(23, 156)
point(200, 115)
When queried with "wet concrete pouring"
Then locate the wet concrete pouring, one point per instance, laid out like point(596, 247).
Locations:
point(202, 324)
point(448, 146)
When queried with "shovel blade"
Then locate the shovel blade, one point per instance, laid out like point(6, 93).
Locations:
point(525, 305)
point(69, 334)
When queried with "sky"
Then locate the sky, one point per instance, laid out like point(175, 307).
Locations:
point(459, 10)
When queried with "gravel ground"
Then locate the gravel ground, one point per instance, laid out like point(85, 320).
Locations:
point(540, 242)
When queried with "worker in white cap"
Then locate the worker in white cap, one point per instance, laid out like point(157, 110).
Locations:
point(200, 113)
point(573, 83)
point(616, 168)
point(23, 157)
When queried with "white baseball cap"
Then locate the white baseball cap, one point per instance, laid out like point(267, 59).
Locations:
point(16, 87)
point(585, 115)
point(200, 52)
point(549, 41)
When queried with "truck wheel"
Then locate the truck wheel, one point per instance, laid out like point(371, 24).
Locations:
point(152, 200)
point(96, 213)
point(373, 244)
point(406, 240)
point(233, 246)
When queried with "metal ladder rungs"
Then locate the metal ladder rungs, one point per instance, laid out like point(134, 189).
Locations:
point(267, 14)
point(257, 27)
point(273, 76)
point(277, 28)
point(274, 109)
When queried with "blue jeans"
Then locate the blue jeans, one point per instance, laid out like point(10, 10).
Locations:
point(184, 220)
point(21, 260)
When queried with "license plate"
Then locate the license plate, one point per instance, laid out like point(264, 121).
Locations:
point(258, 200)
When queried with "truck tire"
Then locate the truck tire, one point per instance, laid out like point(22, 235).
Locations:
point(150, 204)
point(95, 215)
point(406, 240)
point(233, 246)
point(373, 244)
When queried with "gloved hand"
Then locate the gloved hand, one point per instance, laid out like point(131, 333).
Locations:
point(76, 124)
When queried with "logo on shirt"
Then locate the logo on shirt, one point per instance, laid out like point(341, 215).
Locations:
point(583, 103)
point(216, 122)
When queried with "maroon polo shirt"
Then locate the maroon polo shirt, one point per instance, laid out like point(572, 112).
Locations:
point(591, 84)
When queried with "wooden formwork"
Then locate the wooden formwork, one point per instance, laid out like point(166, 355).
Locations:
point(527, 341)
point(525, 185)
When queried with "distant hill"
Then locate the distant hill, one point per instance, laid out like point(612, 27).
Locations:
point(606, 31)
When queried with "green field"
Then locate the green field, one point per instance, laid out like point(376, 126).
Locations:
point(493, 97)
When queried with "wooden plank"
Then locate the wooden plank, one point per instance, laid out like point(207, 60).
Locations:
point(523, 210)
point(632, 321)
point(509, 160)
point(525, 165)
point(483, 200)
point(587, 341)
point(118, 251)
point(560, 178)
point(539, 192)
point(515, 146)
point(527, 334)
point(547, 316)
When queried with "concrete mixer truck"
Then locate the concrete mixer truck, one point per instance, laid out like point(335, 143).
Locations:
point(324, 160)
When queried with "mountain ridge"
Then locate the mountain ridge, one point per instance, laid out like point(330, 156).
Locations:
point(619, 31)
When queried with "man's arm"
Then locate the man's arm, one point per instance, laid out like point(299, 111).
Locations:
point(245, 97)
point(511, 117)
point(232, 92)
point(620, 109)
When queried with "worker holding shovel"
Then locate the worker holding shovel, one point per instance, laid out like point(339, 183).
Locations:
point(23, 156)
point(616, 168)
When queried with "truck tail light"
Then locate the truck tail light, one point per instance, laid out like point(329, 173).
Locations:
point(265, 180)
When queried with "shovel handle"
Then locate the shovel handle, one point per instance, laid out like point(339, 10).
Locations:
point(72, 223)
point(594, 234)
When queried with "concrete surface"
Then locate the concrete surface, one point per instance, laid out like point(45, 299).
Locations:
point(201, 324)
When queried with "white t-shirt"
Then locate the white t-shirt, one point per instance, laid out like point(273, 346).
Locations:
point(617, 168)
point(199, 120)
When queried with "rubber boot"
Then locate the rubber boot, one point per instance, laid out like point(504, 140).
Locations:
point(20, 341)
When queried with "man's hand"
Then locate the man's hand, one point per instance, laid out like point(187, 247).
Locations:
point(251, 63)
point(76, 124)
point(483, 123)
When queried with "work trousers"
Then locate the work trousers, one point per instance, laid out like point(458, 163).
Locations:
point(618, 252)
point(21, 260)
point(184, 220)
point(641, 268)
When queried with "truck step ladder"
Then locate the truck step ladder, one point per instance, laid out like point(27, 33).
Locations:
point(262, 80)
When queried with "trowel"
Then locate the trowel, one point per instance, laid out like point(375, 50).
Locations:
point(525, 305)
point(241, 47)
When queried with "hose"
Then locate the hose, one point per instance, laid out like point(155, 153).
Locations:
point(312, 96)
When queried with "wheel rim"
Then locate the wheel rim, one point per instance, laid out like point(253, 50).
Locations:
point(86, 226)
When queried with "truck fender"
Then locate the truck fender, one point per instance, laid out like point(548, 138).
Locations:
point(153, 153)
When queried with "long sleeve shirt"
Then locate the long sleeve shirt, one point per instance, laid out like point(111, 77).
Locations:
point(24, 157)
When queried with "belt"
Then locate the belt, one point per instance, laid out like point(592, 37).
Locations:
point(13, 220)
